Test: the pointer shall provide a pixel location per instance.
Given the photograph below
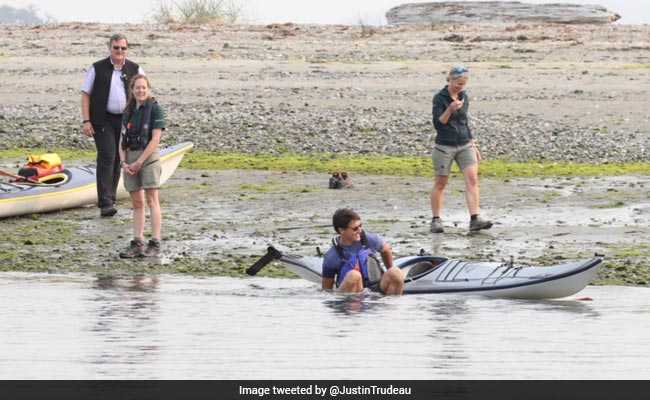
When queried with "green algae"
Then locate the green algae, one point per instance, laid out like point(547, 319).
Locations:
point(365, 164)
point(401, 165)
point(31, 231)
point(625, 251)
point(615, 204)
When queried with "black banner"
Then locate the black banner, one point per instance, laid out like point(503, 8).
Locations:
point(344, 390)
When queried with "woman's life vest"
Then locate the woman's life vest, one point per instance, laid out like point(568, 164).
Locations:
point(138, 137)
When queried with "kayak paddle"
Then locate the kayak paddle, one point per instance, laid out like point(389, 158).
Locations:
point(271, 254)
point(14, 176)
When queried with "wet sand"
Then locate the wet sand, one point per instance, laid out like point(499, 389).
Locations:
point(219, 222)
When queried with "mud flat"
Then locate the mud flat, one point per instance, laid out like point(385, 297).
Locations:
point(218, 222)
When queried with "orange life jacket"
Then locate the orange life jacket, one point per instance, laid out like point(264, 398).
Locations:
point(42, 165)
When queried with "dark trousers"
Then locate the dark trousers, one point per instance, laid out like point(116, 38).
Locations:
point(107, 140)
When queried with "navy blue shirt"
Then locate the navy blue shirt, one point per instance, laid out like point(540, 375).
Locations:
point(456, 131)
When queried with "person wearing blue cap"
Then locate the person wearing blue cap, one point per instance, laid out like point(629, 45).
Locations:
point(454, 142)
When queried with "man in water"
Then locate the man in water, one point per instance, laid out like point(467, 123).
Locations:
point(346, 262)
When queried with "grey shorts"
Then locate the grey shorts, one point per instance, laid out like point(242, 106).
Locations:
point(149, 175)
point(443, 156)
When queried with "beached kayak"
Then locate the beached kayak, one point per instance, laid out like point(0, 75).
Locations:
point(430, 274)
point(73, 187)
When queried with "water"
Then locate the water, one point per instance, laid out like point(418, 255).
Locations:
point(84, 327)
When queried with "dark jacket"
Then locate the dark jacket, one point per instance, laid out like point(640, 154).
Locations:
point(102, 86)
point(456, 131)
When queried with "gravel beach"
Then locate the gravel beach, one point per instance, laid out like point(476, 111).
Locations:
point(538, 92)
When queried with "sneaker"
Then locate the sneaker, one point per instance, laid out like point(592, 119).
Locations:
point(478, 224)
point(108, 211)
point(436, 225)
point(153, 248)
point(135, 249)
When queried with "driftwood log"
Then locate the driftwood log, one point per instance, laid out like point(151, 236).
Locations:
point(457, 12)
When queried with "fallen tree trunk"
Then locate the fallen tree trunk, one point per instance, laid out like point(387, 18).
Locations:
point(456, 12)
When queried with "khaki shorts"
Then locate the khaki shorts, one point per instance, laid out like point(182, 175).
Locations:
point(149, 175)
point(443, 156)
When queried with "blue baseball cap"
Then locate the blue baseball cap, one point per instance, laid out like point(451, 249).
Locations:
point(457, 71)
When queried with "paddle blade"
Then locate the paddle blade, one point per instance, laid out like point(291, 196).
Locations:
point(271, 254)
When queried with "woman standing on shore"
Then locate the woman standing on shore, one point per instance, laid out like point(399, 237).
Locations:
point(143, 123)
point(454, 142)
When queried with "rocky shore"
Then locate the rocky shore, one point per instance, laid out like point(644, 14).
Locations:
point(538, 91)
point(467, 12)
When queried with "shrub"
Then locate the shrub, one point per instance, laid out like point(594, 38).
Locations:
point(198, 11)
point(367, 30)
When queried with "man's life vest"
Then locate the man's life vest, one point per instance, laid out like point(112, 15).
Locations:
point(41, 165)
point(370, 274)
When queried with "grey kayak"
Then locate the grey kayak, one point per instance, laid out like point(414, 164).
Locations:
point(431, 274)
point(74, 187)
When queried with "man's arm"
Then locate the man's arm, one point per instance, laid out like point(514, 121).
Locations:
point(328, 272)
point(87, 127)
point(86, 89)
point(328, 283)
point(387, 255)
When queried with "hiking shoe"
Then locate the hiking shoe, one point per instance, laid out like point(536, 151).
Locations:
point(436, 225)
point(108, 211)
point(153, 248)
point(135, 249)
point(478, 224)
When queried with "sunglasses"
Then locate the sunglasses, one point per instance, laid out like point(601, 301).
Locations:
point(356, 228)
point(123, 48)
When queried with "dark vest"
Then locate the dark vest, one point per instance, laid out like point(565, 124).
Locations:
point(102, 86)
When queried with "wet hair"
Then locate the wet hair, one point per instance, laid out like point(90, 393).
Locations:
point(342, 218)
point(457, 71)
point(130, 105)
point(116, 38)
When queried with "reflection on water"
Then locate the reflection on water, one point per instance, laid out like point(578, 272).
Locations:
point(137, 283)
point(448, 317)
point(582, 307)
point(351, 304)
point(150, 327)
point(124, 305)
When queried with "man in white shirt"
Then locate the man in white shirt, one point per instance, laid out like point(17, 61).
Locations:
point(104, 95)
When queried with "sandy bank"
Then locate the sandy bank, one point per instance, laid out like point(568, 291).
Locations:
point(538, 91)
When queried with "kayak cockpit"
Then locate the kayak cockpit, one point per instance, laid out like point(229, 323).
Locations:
point(417, 267)
point(54, 180)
